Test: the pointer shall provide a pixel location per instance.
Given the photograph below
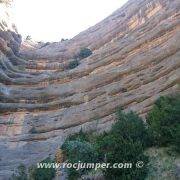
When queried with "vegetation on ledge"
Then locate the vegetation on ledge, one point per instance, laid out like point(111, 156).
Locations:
point(84, 53)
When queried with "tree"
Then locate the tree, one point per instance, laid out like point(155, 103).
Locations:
point(79, 151)
point(116, 149)
point(124, 143)
point(164, 121)
point(42, 173)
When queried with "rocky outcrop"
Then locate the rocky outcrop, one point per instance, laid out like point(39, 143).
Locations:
point(10, 40)
point(135, 59)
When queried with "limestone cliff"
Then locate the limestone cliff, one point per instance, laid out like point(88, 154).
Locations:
point(136, 58)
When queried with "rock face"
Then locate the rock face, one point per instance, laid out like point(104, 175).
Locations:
point(9, 38)
point(136, 58)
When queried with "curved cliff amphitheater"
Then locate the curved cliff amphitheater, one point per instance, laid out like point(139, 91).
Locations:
point(136, 58)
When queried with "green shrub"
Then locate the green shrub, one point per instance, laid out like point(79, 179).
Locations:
point(20, 173)
point(84, 53)
point(80, 136)
point(124, 143)
point(130, 125)
point(73, 64)
point(42, 173)
point(79, 151)
point(176, 140)
point(119, 150)
point(164, 121)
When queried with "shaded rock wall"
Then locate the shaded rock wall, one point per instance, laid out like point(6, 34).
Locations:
point(136, 58)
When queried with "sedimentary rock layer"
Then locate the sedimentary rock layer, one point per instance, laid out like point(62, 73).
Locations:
point(136, 58)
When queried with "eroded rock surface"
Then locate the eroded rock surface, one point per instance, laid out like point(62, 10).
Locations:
point(136, 58)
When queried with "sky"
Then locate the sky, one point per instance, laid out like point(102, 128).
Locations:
point(52, 20)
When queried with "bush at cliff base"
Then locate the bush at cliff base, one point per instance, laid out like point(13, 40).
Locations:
point(42, 173)
point(79, 151)
point(20, 173)
point(164, 122)
point(125, 143)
